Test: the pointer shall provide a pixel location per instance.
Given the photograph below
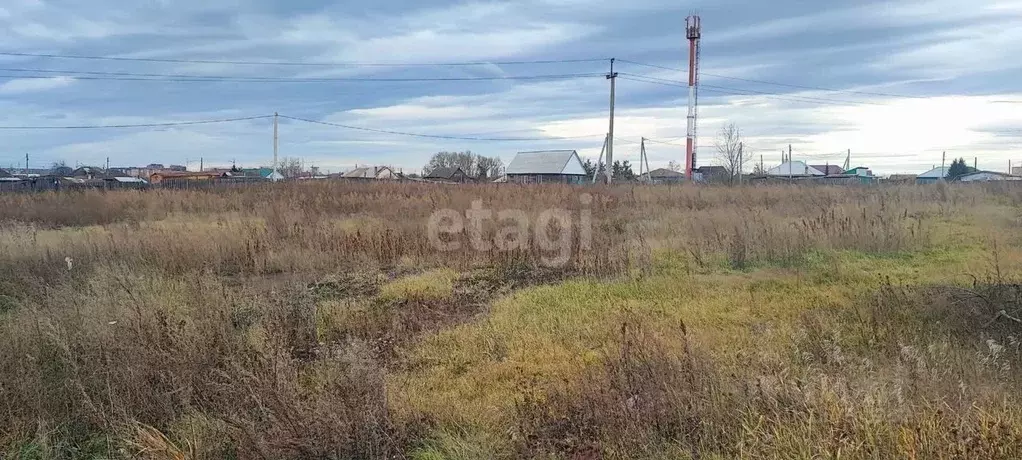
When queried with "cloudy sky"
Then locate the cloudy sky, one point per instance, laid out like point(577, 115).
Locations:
point(895, 82)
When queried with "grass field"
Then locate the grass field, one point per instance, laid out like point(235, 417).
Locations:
point(320, 321)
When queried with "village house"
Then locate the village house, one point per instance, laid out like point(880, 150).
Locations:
point(454, 174)
point(933, 176)
point(546, 167)
point(370, 173)
point(987, 176)
point(666, 176)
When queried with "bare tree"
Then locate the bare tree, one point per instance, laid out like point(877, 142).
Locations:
point(674, 166)
point(730, 151)
point(472, 164)
point(290, 167)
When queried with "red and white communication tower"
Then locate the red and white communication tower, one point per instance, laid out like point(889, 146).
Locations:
point(693, 31)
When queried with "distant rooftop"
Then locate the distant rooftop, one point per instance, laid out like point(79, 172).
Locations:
point(546, 162)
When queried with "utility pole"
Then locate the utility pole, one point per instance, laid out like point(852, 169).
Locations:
point(975, 163)
point(741, 159)
point(26, 164)
point(644, 160)
point(848, 161)
point(761, 170)
point(202, 164)
point(599, 161)
point(273, 173)
point(943, 172)
point(790, 165)
point(108, 164)
point(612, 76)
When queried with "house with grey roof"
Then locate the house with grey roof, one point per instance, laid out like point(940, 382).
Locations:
point(934, 175)
point(370, 173)
point(665, 176)
point(455, 174)
point(795, 169)
point(987, 176)
point(546, 167)
point(828, 169)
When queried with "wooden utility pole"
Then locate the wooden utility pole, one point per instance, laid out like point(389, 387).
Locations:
point(790, 165)
point(943, 161)
point(273, 173)
point(612, 76)
point(644, 159)
point(741, 159)
point(26, 164)
point(202, 164)
point(596, 172)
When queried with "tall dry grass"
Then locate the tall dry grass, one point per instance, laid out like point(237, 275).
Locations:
point(265, 322)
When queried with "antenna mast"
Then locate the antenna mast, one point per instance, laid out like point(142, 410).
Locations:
point(693, 31)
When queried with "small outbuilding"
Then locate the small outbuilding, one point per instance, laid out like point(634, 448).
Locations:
point(546, 167)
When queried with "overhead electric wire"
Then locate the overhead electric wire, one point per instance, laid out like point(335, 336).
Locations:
point(765, 82)
point(655, 141)
point(744, 92)
point(724, 88)
point(140, 125)
point(437, 136)
point(738, 91)
point(132, 76)
point(300, 63)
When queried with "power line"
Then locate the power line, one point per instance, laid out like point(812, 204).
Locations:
point(131, 76)
point(765, 82)
point(438, 136)
point(742, 92)
point(139, 125)
point(303, 63)
point(663, 142)
point(724, 88)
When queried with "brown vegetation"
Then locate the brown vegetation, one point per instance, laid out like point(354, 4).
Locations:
point(318, 321)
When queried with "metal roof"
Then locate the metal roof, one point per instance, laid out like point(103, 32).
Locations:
point(128, 180)
point(665, 173)
point(444, 173)
point(828, 169)
point(794, 168)
point(935, 173)
point(545, 162)
point(369, 172)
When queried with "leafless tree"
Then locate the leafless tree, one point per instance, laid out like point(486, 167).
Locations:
point(472, 164)
point(730, 151)
point(674, 166)
point(290, 167)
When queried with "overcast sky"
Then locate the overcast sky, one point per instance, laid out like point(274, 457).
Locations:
point(917, 78)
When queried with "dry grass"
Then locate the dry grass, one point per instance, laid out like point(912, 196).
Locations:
point(318, 321)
